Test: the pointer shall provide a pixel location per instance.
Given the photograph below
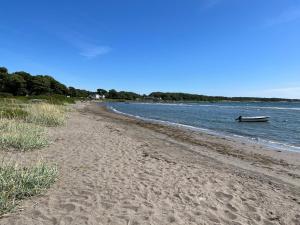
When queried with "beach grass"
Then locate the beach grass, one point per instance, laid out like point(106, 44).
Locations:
point(22, 123)
point(21, 135)
point(13, 113)
point(22, 128)
point(46, 114)
point(19, 183)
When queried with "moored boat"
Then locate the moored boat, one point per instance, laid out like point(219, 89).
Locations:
point(253, 118)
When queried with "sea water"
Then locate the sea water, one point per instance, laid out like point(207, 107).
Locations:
point(282, 130)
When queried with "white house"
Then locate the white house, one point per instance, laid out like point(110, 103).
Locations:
point(97, 96)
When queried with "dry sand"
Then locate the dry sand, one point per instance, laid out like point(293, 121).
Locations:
point(119, 170)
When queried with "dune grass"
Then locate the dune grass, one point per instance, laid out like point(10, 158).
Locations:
point(22, 127)
point(41, 113)
point(12, 109)
point(21, 124)
point(13, 113)
point(19, 183)
point(46, 114)
point(20, 135)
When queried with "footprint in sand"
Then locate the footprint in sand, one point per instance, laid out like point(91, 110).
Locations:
point(213, 218)
point(68, 207)
point(171, 219)
point(231, 208)
point(250, 208)
point(230, 215)
point(267, 222)
point(224, 196)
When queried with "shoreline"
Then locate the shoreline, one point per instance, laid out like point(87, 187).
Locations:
point(226, 150)
point(267, 144)
point(118, 170)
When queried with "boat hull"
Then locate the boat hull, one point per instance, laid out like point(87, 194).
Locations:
point(253, 119)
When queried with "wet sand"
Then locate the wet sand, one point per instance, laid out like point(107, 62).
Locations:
point(120, 170)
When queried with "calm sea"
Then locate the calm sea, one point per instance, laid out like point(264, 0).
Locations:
point(282, 131)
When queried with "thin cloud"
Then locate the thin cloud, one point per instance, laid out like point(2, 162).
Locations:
point(87, 49)
point(207, 4)
point(284, 17)
point(93, 51)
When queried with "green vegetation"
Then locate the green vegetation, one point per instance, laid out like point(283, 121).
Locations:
point(46, 114)
point(22, 127)
point(19, 183)
point(23, 84)
point(113, 94)
point(51, 99)
point(20, 135)
point(171, 96)
point(22, 122)
point(118, 95)
point(13, 113)
point(28, 104)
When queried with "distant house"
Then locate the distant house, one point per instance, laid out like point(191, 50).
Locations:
point(97, 96)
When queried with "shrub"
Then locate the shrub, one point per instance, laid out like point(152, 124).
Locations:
point(20, 135)
point(19, 183)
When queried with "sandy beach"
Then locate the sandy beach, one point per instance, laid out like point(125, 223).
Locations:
point(119, 170)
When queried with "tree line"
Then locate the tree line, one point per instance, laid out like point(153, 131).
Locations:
point(22, 84)
point(113, 94)
point(173, 96)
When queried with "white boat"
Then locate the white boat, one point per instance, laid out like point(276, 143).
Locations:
point(253, 118)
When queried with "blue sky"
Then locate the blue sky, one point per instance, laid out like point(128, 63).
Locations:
point(213, 47)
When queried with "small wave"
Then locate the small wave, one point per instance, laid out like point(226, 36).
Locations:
point(163, 104)
point(219, 106)
point(276, 108)
point(251, 107)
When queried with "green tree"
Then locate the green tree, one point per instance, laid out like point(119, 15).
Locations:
point(40, 85)
point(3, 79)
point(17, 85)
point(112, 94)
point(3, 70)
point(57, 87)
point(101, 92)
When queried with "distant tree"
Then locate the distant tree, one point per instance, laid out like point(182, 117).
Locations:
point(26, 76)
point(17, 85)
point(40, 85)
point(4, 77)
point(56, 87)
point(72, 92)
point(78, 92)
point(101, 92)
point(83, 93)
point(128, 95)
point(112, 94)
point(3, 70)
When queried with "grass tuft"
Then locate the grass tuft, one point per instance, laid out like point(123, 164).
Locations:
point(11, 113)
point(46, 114)
point(20, 135)
point(19, 183)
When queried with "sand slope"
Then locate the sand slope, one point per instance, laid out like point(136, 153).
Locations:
point(115, 172)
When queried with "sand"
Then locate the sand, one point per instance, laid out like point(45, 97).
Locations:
point(119, 170)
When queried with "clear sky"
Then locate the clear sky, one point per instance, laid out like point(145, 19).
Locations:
point(213, 47)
